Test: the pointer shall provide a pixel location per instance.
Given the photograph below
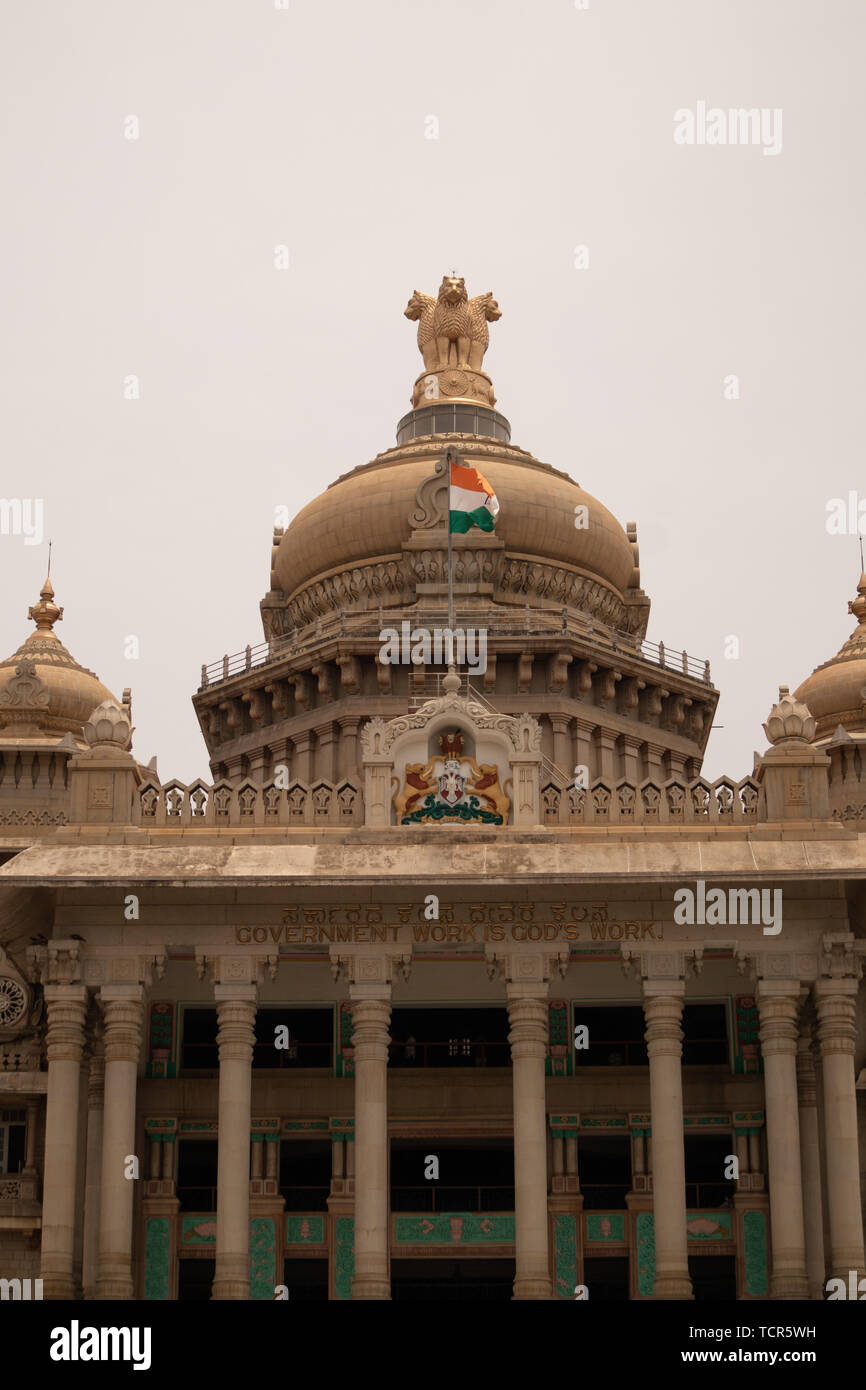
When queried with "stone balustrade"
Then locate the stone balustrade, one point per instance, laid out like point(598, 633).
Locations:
point(674, 802)
point(199, 804)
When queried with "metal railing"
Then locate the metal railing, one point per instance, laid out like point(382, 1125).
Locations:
point(456, 1052)
point(452, 1199)
point(500, 621)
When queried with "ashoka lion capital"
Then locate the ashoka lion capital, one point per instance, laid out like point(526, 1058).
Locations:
point(453, 337)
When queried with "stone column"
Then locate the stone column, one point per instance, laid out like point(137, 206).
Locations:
point(807, 1099)
point(663, 1010)
point(371, 1016)
point(370, 973)
point(236, 1017)
point(583, 731)
point(560, 724)
point(527, 976)
point(280, 751)
point(607, 754)
point(30, 1137)
point(836, 1002)
point(302, 757)
point(326, 752)
point(655, 755)
point(123, 1008)
point(256, 1164)
point(777, 1005)
point(93, 1162)
point(349, 746)
point(272, 1154)
point(527, 1017)
point(631, 754)
point(66, 1005)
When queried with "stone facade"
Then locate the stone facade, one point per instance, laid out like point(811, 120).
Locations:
point(161, 1140)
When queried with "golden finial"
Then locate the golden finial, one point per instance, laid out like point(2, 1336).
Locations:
point(46, 613)
point(857, 606)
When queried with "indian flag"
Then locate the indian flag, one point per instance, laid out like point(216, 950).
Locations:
point(473, 501)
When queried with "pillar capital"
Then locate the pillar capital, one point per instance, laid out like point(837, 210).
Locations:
point(836, 1005)
point(840, 959)
point(240, 971)
point(58, 963)
point(778, 1010)
point(662, 973)
point(236, 1022)
point(527, 973)
point(369, 970)
point(66, 1007)
point(664, 1034)
point(122, 1008)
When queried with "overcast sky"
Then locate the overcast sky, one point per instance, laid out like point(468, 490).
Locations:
point(307, 126)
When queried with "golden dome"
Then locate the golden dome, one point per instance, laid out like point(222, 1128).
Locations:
point(365, 519)
point(836, 691)
point(43, 690)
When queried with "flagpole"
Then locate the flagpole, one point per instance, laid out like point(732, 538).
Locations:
point(450, 557)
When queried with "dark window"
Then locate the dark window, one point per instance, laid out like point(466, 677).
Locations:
point(198, 1050)
point(194, 1280)
point(604, 1163)
point(197, 1174)
point(449, 1038)
point(310, 1038)
point(714, 1278)
point(306, 1280)
point(476, 1177)
point(466, 1280)
point(11, 1141)
point(616, 1036)
point(706, 1159)
point(606, 1279)
point(305, 1173)
point(706, 1035)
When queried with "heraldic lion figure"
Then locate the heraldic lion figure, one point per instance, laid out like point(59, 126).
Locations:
point(452, 329)
point(422, 307)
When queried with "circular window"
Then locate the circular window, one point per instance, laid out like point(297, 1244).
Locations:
point(13, 1001)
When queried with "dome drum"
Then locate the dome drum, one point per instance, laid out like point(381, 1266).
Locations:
point(453, 417)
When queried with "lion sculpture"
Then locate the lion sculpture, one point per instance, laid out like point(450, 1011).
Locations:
point(452, 329)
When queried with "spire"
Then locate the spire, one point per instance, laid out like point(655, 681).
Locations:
point(45, 613)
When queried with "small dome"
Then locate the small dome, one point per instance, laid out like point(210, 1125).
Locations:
point(61, 695)
point(836, 691)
